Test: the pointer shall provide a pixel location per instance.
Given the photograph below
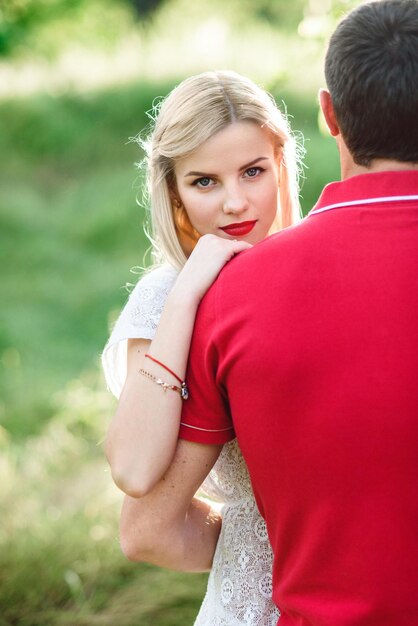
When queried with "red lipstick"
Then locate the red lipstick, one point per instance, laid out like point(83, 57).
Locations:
point(240, 229)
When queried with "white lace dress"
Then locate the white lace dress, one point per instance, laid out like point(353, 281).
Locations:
point(240, 582)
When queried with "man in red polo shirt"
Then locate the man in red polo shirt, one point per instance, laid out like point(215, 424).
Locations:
point(312, 361)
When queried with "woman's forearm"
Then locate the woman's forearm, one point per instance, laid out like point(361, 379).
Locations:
point(141, 439)
point(186, 545)
point(170, 527)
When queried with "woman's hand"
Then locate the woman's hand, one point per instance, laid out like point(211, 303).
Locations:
point(204, 264)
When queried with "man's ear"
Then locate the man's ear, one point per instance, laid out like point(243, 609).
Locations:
point(328, 112)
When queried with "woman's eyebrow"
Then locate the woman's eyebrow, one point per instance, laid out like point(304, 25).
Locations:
point(201, 174)
point(257, 160)
point(243, 167)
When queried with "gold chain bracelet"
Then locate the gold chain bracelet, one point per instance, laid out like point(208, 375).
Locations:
point(183, 391)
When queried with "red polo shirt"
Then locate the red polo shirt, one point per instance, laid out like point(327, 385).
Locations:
point(306, 349)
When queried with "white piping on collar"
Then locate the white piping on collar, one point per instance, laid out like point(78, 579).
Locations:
point(207, 430)
point(341, 205)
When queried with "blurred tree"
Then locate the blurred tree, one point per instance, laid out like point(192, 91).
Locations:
point(18, 18)
point(146, 8)
point(23, 23)
point(22, 20)
point(281, 14)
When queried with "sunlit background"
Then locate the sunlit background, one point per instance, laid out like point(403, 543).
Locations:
point(77, 78)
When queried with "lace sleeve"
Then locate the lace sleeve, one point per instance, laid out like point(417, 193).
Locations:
point(138, 320)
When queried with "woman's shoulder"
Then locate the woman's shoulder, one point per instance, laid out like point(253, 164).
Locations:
point(141, 313)
point(138, 320)
point(147, 298)
point(159, 278)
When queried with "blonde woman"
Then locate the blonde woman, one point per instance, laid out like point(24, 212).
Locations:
point(222, 174)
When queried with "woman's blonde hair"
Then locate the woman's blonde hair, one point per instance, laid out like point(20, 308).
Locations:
point(193, 112)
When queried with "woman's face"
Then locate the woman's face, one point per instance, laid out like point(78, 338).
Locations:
point(229, 185)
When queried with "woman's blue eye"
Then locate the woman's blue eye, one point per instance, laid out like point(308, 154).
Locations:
point(253, 171)
point(202, 182)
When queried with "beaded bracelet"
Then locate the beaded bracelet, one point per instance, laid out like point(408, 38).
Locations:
point(183, 390)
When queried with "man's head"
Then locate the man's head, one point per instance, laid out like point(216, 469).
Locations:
point(371, 70)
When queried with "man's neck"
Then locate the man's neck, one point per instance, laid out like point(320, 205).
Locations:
point(379, 165)
point(349, 168)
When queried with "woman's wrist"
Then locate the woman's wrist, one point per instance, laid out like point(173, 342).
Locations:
point(182, 298)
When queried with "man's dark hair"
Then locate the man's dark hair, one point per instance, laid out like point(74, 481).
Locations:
point(371, 69)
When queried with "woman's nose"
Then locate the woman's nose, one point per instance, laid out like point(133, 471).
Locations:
point(235, 202)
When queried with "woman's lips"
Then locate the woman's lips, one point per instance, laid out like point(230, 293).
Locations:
point(240, 229)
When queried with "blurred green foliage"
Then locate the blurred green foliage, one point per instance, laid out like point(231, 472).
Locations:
point(70, 231)
point(18, 18)
point(46, 26)
point(285, 14)
point(145, 8)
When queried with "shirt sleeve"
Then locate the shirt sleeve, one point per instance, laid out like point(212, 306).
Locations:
point(206, 416)
point(139, 319)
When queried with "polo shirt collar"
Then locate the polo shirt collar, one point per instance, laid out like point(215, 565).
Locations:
point(374, 188)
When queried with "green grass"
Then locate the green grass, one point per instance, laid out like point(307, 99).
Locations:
point(60, 561)
point(59, 578)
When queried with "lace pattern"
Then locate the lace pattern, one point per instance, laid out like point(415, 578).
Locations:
point(147, 305)
point(240, 588)
point(240, 584)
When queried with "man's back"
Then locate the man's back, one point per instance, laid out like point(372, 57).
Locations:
point(311, 342)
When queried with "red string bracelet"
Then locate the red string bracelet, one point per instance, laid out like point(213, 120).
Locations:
point(148, 356)
point(184, 389)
